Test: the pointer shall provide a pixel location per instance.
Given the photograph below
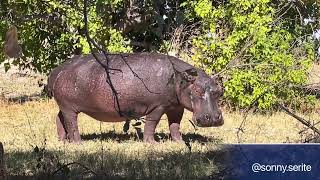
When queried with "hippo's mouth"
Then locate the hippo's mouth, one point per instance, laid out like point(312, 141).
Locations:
point(205, 122)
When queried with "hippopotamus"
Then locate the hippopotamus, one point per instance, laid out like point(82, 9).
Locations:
point(146, 84)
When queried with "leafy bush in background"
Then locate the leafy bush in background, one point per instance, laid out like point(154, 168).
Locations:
point(263, 62)
point(263, 48)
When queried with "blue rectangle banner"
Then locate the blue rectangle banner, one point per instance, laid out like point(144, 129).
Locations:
point(268, 161)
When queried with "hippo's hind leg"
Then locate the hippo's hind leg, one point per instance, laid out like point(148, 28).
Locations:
point(152, 121)
point(174, 118)
point(67, 126)
point(61, 130)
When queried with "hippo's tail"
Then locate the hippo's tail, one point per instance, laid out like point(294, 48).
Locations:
point(47, 91)
point(48, 87)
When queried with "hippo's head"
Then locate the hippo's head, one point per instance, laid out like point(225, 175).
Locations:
point(200, 94)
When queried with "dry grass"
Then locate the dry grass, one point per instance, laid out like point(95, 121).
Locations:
point(31, 147)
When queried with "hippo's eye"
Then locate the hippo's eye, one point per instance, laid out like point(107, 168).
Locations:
point(213, 90)
point(216, 91)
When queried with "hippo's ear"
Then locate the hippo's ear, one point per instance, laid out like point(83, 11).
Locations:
point(190, 74)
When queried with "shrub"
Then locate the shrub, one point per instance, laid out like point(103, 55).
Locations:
point(262, 62)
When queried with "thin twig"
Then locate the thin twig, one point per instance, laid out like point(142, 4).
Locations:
point(74, 163)
point(101, 143)
point(305, 129)
point(245, 115)
point(137, 76)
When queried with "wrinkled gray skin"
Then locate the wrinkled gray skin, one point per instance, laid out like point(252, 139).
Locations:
point(79, 85)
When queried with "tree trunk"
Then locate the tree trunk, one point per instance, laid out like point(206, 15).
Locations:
point(2, 167)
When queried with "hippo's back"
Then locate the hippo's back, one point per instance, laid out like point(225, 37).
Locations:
point(55, 73)
point(139, 65)
point(142, 82)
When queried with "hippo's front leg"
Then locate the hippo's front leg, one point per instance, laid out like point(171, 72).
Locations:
point(152, 121)
point(174, 118)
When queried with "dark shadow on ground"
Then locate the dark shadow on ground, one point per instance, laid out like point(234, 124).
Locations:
point(46, 164)
point(112, 135)
point(220, 162)
point(24, 98)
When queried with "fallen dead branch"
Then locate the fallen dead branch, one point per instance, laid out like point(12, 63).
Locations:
point(300, 119)
point(74, 163)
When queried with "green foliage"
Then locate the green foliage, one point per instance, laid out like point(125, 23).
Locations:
point(263, 47)
point(116, 42)
point(51, 31)
point(263, 62)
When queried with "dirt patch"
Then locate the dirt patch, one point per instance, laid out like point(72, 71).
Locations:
point(20, 85)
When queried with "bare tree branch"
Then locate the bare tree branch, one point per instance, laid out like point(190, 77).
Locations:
point(106, 67)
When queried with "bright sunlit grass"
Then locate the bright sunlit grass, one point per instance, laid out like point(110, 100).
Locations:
point(28, 132)
point(26, 127)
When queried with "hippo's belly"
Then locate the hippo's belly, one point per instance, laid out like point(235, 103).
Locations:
point(105, 117)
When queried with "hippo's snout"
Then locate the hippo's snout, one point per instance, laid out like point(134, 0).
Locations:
point(207, 120)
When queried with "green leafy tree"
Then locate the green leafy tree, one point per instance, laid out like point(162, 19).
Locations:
point(51, 31)
point(263, 48)
point(263, 61)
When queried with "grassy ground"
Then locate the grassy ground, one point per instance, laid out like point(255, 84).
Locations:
point(31, 147)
